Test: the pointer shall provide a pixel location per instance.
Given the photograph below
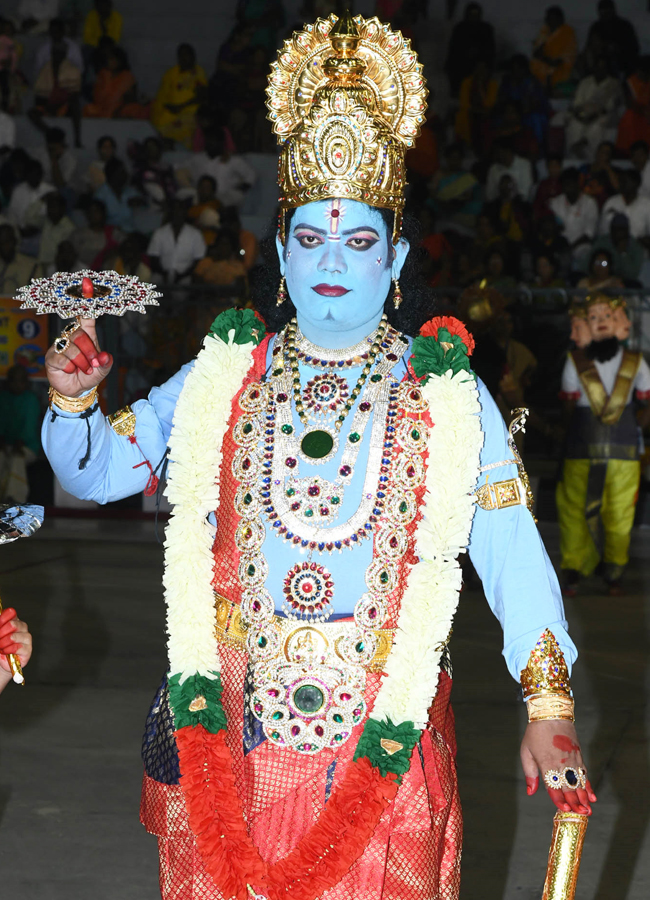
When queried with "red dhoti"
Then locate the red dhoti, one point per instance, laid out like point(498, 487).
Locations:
point(414, 853)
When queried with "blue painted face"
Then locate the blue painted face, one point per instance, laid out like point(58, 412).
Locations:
point(338, 262)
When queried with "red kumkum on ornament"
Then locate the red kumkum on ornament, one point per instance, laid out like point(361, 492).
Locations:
point(308, 591)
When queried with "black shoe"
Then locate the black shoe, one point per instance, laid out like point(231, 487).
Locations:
point(571, 582)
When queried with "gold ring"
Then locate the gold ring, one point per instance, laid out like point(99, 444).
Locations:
point(62, 343)
point(566, 779)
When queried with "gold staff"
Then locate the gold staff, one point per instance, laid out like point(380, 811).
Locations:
point(564, 856)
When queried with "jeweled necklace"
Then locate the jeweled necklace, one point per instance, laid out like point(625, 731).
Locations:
point(325, 358)
point(318, 443)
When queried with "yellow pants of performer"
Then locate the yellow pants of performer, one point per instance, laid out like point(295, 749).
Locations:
point(577, 545)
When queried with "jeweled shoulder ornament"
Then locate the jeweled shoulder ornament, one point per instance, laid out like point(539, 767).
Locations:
point(87, 294)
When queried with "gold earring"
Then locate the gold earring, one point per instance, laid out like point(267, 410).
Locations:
point(397, 294)
point(282, 293)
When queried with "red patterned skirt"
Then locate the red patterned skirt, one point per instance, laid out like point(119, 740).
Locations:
point(414, 853)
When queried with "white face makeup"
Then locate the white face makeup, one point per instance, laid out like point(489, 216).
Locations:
point(338, 263)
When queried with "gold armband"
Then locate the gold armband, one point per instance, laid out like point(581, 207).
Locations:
point(501, 494)
point(545, 682)
point(71, 404)
point(123, 422)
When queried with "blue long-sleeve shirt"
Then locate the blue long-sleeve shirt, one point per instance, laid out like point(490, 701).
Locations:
point(505, 546)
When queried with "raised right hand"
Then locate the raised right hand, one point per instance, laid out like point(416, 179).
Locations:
point(82, 366)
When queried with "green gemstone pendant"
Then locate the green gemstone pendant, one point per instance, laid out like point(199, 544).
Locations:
point(317, 444)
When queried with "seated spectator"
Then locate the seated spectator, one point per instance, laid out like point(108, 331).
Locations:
point(471, 41)
point(8, 66)
point(205, 212)
point(634, 124)
point(12, 171)
point(58, 227)
point(176, 247)
point(507, 163)
point(456, 193)
point(35, 15)
point(509, 212)
point(510, 125)
point(118, 196)
point(615, 37)
point(26, 198)
point(488, 237)
point(435, 265)
point(496, 271)
point(421, 160)
point(639, 154)
point(16, 269)
point(94, 241)
point(153, 176)
point(546, 240)
point(555, 50)
point(102, 21)
point(594, 110)
point(20, 430)
point(233, 175)
point(600, 277)
point(628, 202)
point(476, 100)
point(94, 174)
point(57, 89)
point(223, 264)
point(246, 240)
point(626, 253)
point(519, 86)
point(114, 91)
point(578, 215)
point(127, 259)
point(178, 98)
point(58, 161)
point(546, 272)
point(7, 133)
point(600, 179)
point(548, 187)
point(463, 273)
point(228, 80)
point(66, 260)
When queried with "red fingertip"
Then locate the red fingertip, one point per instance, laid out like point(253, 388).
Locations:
point(7, 614)
point(532, 785)
point(69, 368)
point(104, 358)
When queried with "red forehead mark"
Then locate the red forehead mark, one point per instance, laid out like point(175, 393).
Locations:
point(562, 742)
point(334, 213)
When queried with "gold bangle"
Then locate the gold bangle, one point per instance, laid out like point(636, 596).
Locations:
point(71, 404)
point(542, 707)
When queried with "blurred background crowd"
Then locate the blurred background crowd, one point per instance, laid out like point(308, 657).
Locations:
point(531, 176)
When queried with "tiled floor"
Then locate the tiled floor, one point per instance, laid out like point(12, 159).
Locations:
point(69, 744)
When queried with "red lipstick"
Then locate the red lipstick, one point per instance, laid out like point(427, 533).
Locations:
point(330, 290)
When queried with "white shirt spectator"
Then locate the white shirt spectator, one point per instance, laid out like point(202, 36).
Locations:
point(44, 55)
point(67, 163)
point(177, 254)
point(644, 190)
point(23, 198)
point(230, 175)
point(519, 170)
point(578, 219)
point(41, 10)
point(637, 212)
point(572, 385)
point(51, 236)
point(7, 130)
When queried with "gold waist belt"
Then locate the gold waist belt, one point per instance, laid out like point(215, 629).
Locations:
point(298, 639)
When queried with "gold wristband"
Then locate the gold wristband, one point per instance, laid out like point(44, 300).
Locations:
point(545, 706)
point(71, 404)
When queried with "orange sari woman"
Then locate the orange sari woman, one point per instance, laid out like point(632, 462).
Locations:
point(114, 86)
point(555, 49)
point(634, 124)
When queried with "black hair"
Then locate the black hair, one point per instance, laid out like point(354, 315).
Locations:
point(418, 305)
point(639, 145)
point(601, 252)
point(55, 136)
point(554, 157)
point(632, 175)
point(106, 137)
point(211, 179)
point(99, 204)
point(569, 174)
point(112, 167)
point(556, 11)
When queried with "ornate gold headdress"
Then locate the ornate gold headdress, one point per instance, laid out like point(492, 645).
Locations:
point(347, 98)
point(607, 299)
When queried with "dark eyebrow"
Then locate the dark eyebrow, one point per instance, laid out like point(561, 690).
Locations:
point(361, 228)
point(311, 228)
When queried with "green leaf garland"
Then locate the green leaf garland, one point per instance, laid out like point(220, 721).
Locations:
point(429, 357)
point(370, 745)
point(182, 696)
point(247, 326)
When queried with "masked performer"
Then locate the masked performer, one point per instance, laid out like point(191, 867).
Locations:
point(596, 497)
point(302, 744)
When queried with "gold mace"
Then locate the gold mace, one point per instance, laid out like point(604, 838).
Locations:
point(564, 856)
point(14, 664)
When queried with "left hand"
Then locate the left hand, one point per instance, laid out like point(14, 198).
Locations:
point(14, 638)
point(553, 744)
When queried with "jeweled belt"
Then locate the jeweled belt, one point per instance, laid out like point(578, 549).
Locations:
point(307, 694)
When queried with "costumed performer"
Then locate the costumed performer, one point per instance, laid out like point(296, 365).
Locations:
point(324, 479)
point(605, 388)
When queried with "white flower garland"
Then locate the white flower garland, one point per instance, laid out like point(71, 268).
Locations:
point(431, 597)
point(195, 445)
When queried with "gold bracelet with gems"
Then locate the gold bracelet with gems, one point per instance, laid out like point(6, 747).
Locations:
point(546, 706)
point(71, 404)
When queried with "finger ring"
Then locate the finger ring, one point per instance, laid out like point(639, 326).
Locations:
point(69, 329)
point(62, 343)
point(566, 779)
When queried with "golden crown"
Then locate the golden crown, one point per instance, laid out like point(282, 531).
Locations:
point(347, 98)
